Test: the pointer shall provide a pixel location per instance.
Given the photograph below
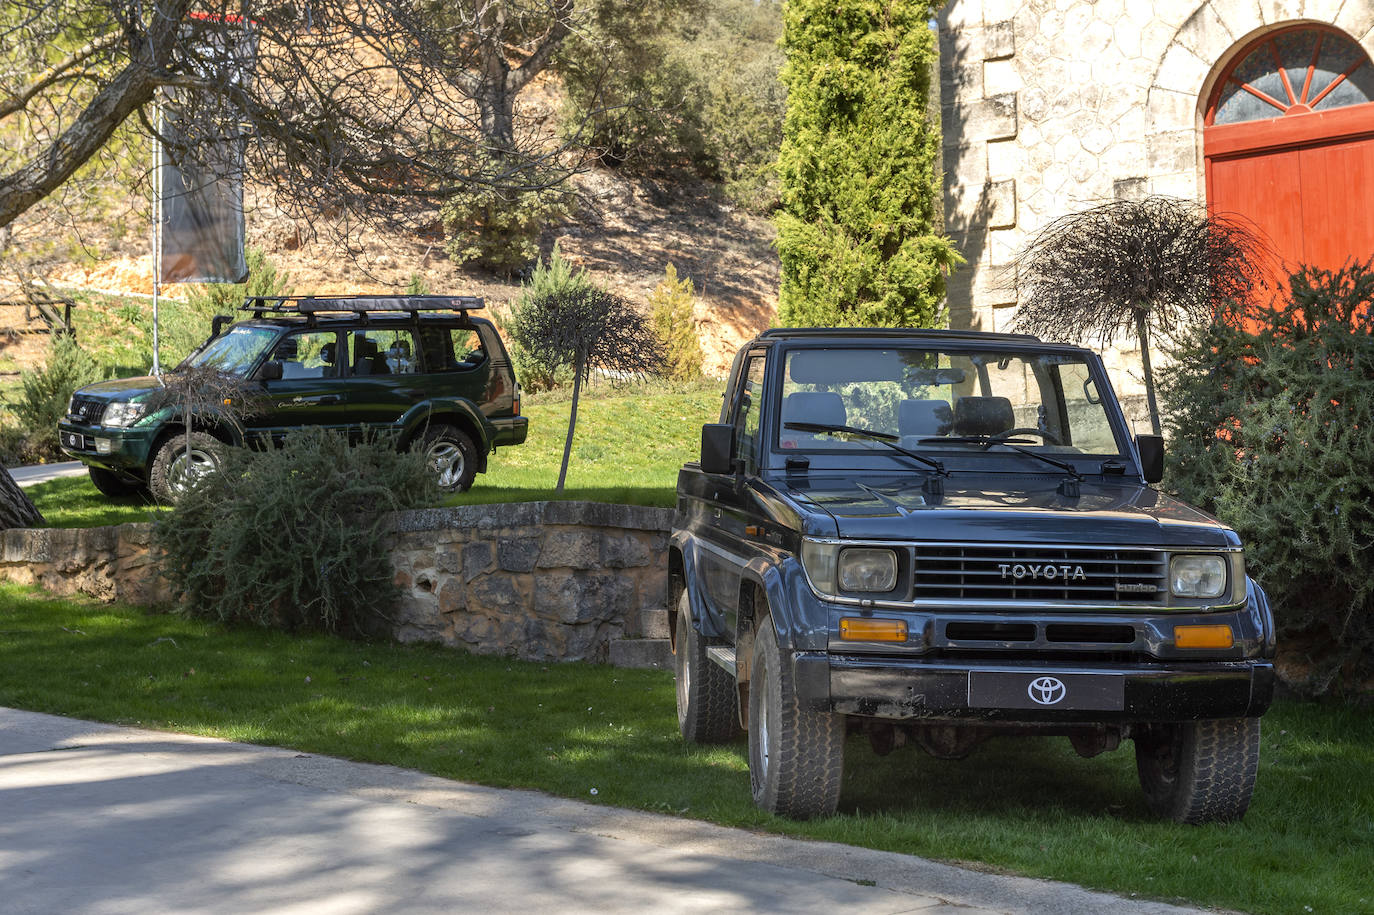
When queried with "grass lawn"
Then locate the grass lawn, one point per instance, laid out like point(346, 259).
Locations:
point(628, 447)
point(1027, 806)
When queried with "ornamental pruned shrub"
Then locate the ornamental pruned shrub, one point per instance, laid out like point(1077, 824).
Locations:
point(859, 232)
point(293, 537)
point(1272, 429)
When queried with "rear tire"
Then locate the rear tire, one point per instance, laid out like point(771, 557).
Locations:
point(1199, 771)
point(168, 478)
point(113, 484)
point(452, 456)
point(796, 752)
point(705, 690)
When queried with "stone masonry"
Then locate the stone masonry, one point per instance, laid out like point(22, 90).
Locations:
point(555, 581)
point(1052, 106)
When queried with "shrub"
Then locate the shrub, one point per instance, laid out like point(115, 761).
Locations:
point(1271, 431)
point(499, 229)
point(670, 310)
point(859, 233)
point(292, 537)
point(46, 391)
point(549, 279)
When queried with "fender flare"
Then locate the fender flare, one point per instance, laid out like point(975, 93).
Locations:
point(1257, 602)
point(458, 412)
point(707, 618)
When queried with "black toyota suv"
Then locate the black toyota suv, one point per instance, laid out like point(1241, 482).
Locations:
point(419, 369)
point(936, 537)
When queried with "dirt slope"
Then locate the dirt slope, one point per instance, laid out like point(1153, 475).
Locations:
point(626, 234)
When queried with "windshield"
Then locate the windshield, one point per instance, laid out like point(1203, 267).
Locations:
point(945, 402)
point(235, 351)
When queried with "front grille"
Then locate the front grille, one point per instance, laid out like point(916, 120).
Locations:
point(87, 411)
point(1029, 574)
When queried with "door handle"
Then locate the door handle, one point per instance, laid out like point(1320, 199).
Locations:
point(328, 398)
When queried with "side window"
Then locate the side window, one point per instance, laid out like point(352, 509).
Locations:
point(308, 354)
point(452, 349)
point(383, 351)
point(747, 415)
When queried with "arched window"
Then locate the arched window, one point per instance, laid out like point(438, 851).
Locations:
point(1297, 71)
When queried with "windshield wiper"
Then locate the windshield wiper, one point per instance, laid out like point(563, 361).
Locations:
point(882, 438)
point(987, 441)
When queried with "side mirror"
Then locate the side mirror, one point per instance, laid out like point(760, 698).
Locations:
point(717, 448)
point(270, 371)
point(1151, 448)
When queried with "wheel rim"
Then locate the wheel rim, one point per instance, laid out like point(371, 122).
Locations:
point(183, 473)
point(684, 669)
point(763, 733)
point(446, 460)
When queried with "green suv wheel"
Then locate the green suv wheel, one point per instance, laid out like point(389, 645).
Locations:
point(174, 469)
point(450, 453)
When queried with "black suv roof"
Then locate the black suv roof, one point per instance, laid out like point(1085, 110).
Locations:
point(878, 335)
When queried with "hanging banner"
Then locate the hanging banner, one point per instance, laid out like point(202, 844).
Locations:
point(199, 164)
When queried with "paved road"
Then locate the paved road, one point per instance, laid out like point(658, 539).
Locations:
point(41, 473)
point(100, 819)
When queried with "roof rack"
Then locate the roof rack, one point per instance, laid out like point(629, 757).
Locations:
point(358, 304)
point(927, 332)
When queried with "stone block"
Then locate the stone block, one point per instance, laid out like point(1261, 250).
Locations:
point(1175, 151)
point(1206, 35)
point(517, 554)
point(477, 559)
point(1001, 76)
point(1357, 19)
point(653, 623)
point(1130, 189)
point(570, 547)
point(653, 654)
point(582, 597)
point(999, 40)
point(1277, 11)
point(619, 551)
point(1167, 110)
point(992, 118)
point(452, 596)
point(496, 595)
point(1182, 71)
point(1001, 203)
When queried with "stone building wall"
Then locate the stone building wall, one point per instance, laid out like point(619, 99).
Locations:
point(1052, 106)
point(564, 581)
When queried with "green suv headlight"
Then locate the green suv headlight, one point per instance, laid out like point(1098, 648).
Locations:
point(122, 415)
point(1197, 576)
point(867, 569)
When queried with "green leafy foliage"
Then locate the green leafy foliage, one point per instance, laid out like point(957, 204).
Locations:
point(45, 392)
point(858, 233)
point(549, 279)
point(499, 229)
point(686, 86)
point(292, 537)
point(1271, 430)
point(670, 310)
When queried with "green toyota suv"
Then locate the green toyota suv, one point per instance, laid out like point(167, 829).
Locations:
point(419, 369)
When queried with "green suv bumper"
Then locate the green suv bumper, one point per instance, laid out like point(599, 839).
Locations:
point(121, 450)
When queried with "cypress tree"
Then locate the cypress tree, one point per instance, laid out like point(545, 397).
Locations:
point(859, 231)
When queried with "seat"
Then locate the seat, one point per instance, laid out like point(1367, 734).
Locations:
point(824, 407)
point(983, 416)
point(924, 418)
point(367, 358)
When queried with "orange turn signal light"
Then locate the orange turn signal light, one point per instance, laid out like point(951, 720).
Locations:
point(1219, 636)
point(872, 630)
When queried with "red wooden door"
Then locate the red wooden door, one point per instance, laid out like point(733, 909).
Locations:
point(1289, 143)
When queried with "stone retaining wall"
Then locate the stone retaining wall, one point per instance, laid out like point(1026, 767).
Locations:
point(538, 580)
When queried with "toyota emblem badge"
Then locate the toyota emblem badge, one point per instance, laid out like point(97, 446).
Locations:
point(1046, 690)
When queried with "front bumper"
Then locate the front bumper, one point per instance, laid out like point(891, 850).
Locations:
point(901, 688)
point(123, 450)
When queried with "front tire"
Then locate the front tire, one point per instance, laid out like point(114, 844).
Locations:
point(705, 690)
point(796, 752)
point(452, 456)
point(113, 484)
point(173, 472)
point(1199, 772)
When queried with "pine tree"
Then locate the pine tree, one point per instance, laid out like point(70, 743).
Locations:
point(859, 232)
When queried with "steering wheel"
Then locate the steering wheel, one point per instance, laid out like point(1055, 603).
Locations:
point(1003, 436)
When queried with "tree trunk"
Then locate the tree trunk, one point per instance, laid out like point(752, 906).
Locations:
point(16, 508)
point(572, 424)
point(1142, 329)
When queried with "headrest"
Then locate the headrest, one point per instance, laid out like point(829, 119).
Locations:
point(924, 417)
point(983, 416)
point(814, 407)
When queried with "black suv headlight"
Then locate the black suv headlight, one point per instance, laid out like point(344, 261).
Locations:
point(834, 567)
point(1202, 576)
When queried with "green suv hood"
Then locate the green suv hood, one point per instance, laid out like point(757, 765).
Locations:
point(120, 389)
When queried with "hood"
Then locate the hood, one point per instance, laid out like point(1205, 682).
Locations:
point(120, 389)
point(1007, 508)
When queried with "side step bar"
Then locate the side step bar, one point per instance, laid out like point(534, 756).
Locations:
point(722, 655)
